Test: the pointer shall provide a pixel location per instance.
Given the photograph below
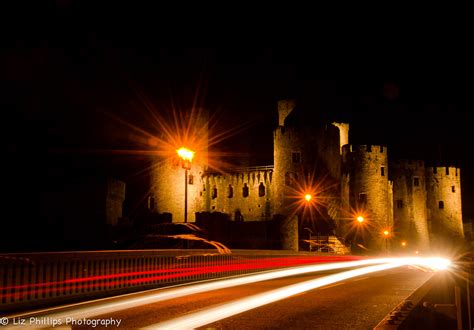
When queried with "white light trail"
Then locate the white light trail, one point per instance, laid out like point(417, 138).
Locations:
point(115, 304)
point(219, 312)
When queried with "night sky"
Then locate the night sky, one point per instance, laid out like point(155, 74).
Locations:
point(67, 80)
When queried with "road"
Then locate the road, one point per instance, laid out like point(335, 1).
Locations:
point(356, 303)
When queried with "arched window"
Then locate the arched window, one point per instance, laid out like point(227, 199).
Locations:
point(214, 192)
point(230, 192)
point(441, 204)
point(261, 190)
point(245, 190)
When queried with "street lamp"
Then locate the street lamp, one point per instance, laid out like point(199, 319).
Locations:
point(386, 233)
point(360, 219)
point(187, 157)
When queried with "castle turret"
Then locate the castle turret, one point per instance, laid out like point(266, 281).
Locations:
point(443, 186)
point(409, 200)
point(366, 171)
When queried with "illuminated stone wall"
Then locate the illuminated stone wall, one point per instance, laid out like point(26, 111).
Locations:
point(443, 184)
point(369, 189)
point(409, 199)
point(225, 193)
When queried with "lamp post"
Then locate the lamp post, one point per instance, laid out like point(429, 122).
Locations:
point(187, 156)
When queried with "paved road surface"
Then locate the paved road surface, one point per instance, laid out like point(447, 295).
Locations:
point(358, 303)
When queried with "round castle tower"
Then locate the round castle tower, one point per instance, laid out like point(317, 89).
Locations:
point(370, 191)
point(409, 204)
point(167, 177)
point(287, 153)
point(443, 187)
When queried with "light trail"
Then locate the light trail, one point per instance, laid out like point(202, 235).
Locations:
point(219, 312)
point(109, 305)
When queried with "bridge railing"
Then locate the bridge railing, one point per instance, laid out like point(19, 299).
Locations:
point(34, 280)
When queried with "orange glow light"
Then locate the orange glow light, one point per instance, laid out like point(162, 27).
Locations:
point(386, 232)
point(404, 244)
point(360, 219)
point(307, 197)
point(185, 154)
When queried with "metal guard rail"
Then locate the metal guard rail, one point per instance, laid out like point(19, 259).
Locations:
point(35, 280)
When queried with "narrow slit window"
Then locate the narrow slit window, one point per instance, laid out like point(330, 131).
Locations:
point(416, 181)
point(230, 192)
point(453, 189)
point(191, 179)
point(441, 204)
point(382, 171)
point(261, 190)
point(447, 170)
point(151, 203)
point(214, 192)
point(245, 190)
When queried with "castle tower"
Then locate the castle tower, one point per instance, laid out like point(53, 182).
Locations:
point(343, 133)
point(443, 186)
point(409, 200)
point(168, 178)
point(287, 151)
point(366, 171)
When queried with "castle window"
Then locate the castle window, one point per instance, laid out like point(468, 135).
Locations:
point(230, 192)
point(416, 181)
point(453, 188)
point(261, 190)
point(245, 190)
point(362, 198)
point(447, 170)
point(151, 203)
point(296, 157)
point(441, 204)
point(287, 179)
point(214, 192)
point(399, 204)
point(191, 179)
point(382, 171)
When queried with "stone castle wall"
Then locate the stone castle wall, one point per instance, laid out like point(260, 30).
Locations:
point(443, 187)
point(369, 188)
point(410, 213)
point(245, 195)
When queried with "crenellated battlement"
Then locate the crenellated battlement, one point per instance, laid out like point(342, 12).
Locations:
point(365, 148)
point(440, 171)
point(250, 174)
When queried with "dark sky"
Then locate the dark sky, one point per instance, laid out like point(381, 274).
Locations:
point(65, 77)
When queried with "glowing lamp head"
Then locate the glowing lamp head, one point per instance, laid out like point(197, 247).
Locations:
point(360, 219)
point(185, 154)
point(386, 232)
point(404, 244)
point(308, 197)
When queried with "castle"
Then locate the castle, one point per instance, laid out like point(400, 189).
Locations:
point(397, 203)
